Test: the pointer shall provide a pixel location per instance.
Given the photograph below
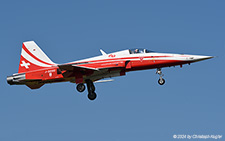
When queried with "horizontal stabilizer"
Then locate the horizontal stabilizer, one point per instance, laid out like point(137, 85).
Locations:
point(34, 86)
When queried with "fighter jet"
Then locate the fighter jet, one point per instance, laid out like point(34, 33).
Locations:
point(36, 69)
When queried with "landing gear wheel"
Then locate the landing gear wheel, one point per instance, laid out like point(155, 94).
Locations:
point(92, 96)
point(80, 87)
point(161, 81)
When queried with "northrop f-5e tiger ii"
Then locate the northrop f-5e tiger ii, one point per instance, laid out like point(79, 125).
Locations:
point(36, 69)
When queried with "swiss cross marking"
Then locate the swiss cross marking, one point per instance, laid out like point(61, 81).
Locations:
point(24, 64)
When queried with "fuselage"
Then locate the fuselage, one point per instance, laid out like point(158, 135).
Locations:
point(100, 67)
point(36, 69)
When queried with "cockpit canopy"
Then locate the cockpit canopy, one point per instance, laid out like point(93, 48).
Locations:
point(139, 50)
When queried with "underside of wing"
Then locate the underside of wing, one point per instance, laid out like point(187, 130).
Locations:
point(92, 70)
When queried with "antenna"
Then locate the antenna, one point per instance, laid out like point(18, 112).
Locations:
point(103, 53)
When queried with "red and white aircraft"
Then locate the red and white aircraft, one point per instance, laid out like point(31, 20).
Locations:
point(36, 69)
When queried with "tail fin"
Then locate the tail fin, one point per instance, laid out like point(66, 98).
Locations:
point(33, 58)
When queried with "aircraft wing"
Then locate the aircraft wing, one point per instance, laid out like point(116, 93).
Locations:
point(96, 66)
point(70, 67)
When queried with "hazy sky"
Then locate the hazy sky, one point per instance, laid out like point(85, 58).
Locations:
point(133, 107)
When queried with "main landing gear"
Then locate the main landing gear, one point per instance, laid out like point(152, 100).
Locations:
point(91, 89)
point(161, 81)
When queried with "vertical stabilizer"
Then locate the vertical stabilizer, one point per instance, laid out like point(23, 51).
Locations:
point(33, 58)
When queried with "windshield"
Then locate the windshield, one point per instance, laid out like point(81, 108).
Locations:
point(148, 51)
point(138, 50)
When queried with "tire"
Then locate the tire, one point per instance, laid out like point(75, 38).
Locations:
point(161, 81)
point(92, 96)
point(80, 87)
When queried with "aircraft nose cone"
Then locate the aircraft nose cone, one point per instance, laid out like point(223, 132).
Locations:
point(196, 58)
point(203, 57)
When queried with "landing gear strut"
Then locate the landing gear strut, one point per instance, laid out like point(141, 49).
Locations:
point(80, 87)
point(91, 89)
point(161, 81)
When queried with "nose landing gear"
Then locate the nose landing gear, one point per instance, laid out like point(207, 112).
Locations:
point(161, 81)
